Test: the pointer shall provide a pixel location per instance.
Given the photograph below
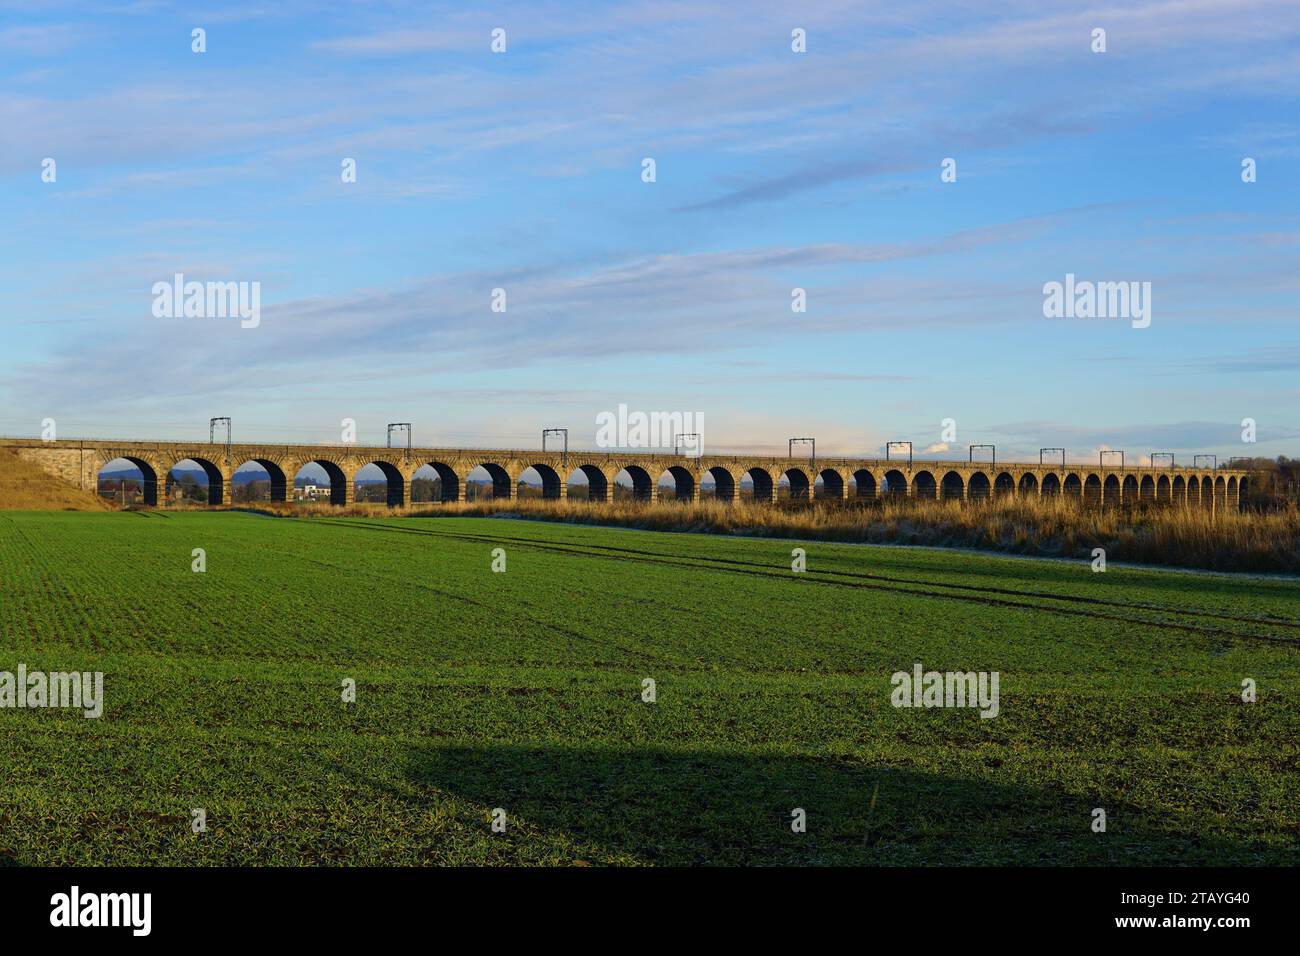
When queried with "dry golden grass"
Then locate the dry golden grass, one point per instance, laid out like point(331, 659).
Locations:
point(26, 487)
point(1178, 536)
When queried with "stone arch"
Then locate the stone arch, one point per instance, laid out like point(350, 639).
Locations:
point(1130, 489)
point(865, 483)
point(953, 487)
point(1072, 487)
point(1220, 492)
point(724, 483)
point(1051, 485)
point(832, 484)
point(977, 487)
point(1233, 499)
point(449, 487)
point(148, 477)
point(683, 482)
point(1110, 490)
point(1178, 490)
point(1028, 486)
point(1243, 487)
point(1193, 490)
point(216, 480)
point(764, 486)
point(1207, 493)
point(282, 482)
point(800, 486)
point(394, 482)
point(1162, 489)
point(1092, 490)
point(503, 486)
point(278, 476)
point(553, 486)
point(1146, 489)
point(923, 486)
point(643, 486)
point(1004, 486)
point(895, 485)
point(597, 482)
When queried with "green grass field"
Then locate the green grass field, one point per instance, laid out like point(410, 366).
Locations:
point(522, 690)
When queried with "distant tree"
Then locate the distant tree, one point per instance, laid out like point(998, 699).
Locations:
point(1273, 484)
point(253, 491)
point(190, 490)
point(373, 493)
point(426, 489)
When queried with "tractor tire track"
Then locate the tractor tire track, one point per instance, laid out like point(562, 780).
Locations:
point(979, 594)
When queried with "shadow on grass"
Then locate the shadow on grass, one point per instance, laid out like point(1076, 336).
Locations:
point(691, 808)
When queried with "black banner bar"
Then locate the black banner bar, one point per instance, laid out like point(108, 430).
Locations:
point(215, 905)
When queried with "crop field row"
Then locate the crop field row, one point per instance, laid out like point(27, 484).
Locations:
point(522, 690)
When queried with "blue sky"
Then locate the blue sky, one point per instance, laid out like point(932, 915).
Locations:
point(775, 170)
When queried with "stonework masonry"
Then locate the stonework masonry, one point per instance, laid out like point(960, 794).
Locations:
point(78, 462)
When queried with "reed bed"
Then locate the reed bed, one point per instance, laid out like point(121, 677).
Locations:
point(1176, 536)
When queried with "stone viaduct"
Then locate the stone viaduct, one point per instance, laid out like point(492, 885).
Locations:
point(79, 461)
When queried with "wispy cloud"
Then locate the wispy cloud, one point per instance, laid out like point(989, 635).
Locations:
point(40, 40)
point(776, 170)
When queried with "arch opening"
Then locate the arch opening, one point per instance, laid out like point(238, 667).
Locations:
point(540, 481)
point(1051, 485)
point(587, 481)
point(864, 484)
point(128, 481)
point(924, 486)
point(977, 489)
point(1092, 491)
point(762, 488)
point(796, 484)
point(1004, 486)
point(1029, 485)
point(829, 485)
point(1178, 490)
point(953, 488)
point(895, 485)
point(315, 481)
point(380, 482)
point(1110, 491)
point(434, 481)
point(634, 482)
point(723, 483)
point(488, 480)
point(680, 480)
point(195, 481)
point(1163, 489)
